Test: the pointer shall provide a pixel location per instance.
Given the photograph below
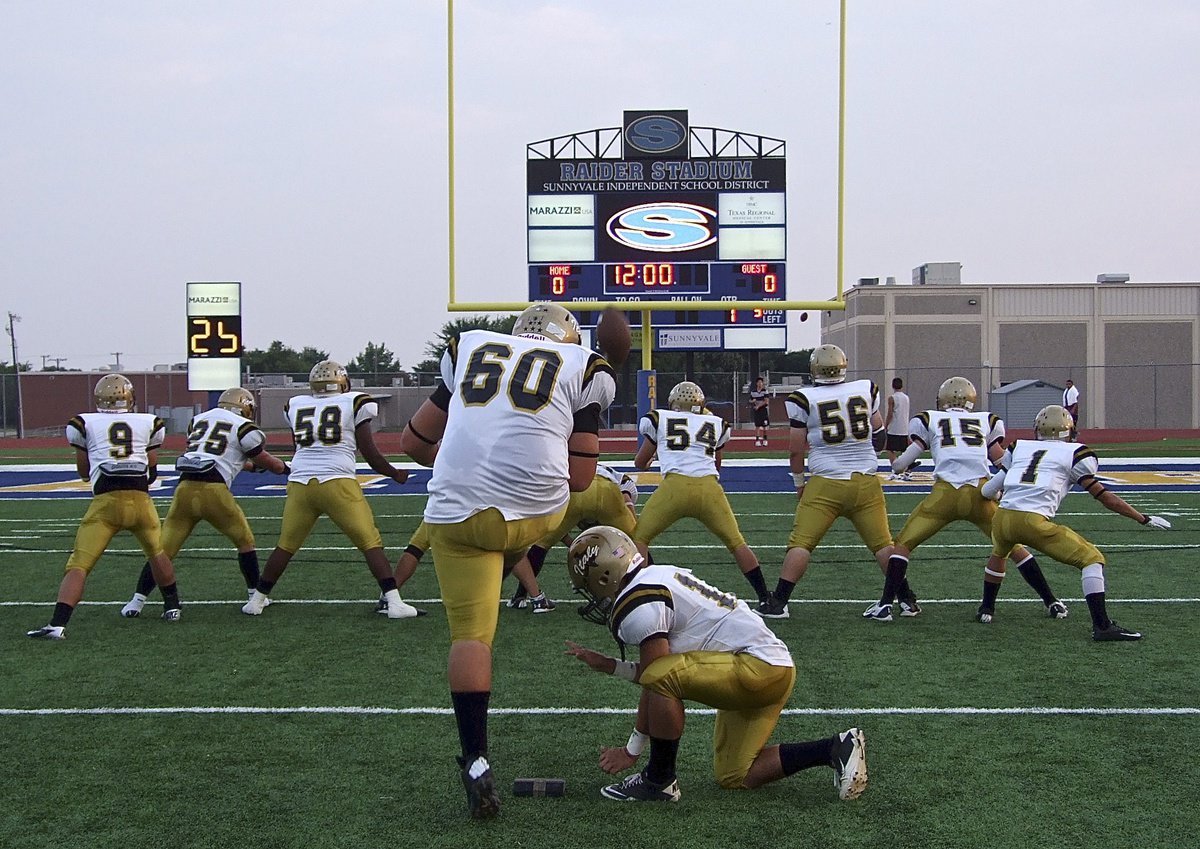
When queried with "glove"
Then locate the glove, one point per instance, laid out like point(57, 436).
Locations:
point(1157, 522)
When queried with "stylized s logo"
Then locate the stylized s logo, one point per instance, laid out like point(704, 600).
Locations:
point(664, 227)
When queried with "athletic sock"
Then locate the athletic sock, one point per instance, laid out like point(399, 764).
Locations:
point(537, 558)
point(783, 589)
point(62, 614)
point(1032, 573)
point(248, 563)
point(386, 585)
point(990, 592)
point(170, 594)
point(1096, 607)
point(757, 582)
point(470, 712)
point(794, 757)
point(661, 768)
point(894, 578)
point(145, 582)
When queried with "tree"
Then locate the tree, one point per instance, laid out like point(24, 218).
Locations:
point(437, 346)
point(373, 360)
point(280, 359)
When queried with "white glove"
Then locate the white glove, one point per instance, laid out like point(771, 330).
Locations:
point(1157, 522)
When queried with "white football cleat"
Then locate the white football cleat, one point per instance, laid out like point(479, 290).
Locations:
point(134, 606)
point(266, 598)
point(850, 764)
point(49, 632)
point(255, 605)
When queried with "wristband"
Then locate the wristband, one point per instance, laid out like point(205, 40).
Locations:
point(799, 478)
point(626, 669)
point(637, 743)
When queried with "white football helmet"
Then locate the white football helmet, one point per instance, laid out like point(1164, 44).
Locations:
point(548, 321)
point(598, 560)
point(238, 400)
point(114, 394)
point(956, 392)
point(828, 364)
point(1054, 423)
point(686, 397)
point(328, 378)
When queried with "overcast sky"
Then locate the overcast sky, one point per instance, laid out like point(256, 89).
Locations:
point(300, 148)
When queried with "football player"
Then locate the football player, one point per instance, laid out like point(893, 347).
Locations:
point(962, 441)
point(221, 443)
point(695, 643)
point(689, 442)
point(330, 426)
point(116, 450)
point(1034, 477)
point(511, 430)
point(837, 425)
point(609, 500)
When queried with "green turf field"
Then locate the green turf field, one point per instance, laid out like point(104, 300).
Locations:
point(320, 724)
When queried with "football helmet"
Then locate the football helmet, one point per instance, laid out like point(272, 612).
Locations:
point(328, 378)
point(686, 397)
point(828, 364)
point(114, 394)
point(1053, 422)
point(956, 392)
point(238, 400)
point(598, 559)
point(547, 321)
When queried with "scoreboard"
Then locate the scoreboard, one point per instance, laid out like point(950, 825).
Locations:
point(214, 336)
point(670, 222)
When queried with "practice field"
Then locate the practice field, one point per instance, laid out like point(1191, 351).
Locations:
point(321, 724)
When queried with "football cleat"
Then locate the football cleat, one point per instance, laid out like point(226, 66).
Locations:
point(402, 610)
point(985, 614)
point(519, 600)
point(266, 599)
point(850, 764)
point(171, 615)
point(878, 612)
point(255, 605)
point(909, 606)
point(541, 604)
point(1114, 633)
point(133, 607)
point(1056, 610)
point(483, 803)
point(772, 608)
point(635, 788)
point(49, 632)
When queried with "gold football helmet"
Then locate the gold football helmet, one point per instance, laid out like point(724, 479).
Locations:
point(1053, 422)
point(598, 559)
point(828, 364)
point(548, 321)
point(238, 400)
point(956, 392)
point(114, 394)
point(686, 397)
point(328, 378)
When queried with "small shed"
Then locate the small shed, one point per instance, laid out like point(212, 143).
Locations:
point(1019, 402)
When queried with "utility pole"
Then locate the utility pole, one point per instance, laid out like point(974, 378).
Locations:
point(58, 361)
point(44, 358)
point(12, 319)
point(117, 354)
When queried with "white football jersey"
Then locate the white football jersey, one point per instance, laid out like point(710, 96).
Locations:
point(1040, 473)
point(687, 442)
point(513, 401)
point(958, 440)
point(323, 430)
point(220, 439)
point(694, 616)
point(838, 419)
point(117, 443)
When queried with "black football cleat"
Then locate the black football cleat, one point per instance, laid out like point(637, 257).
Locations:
point(1114, 633)
point(483, 803)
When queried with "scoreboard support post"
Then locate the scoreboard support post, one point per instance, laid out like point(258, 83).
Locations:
point(647, 393)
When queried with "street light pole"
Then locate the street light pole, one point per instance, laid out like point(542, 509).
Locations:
point(12, 319)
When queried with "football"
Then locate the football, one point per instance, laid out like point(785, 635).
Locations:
point(613, 337)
